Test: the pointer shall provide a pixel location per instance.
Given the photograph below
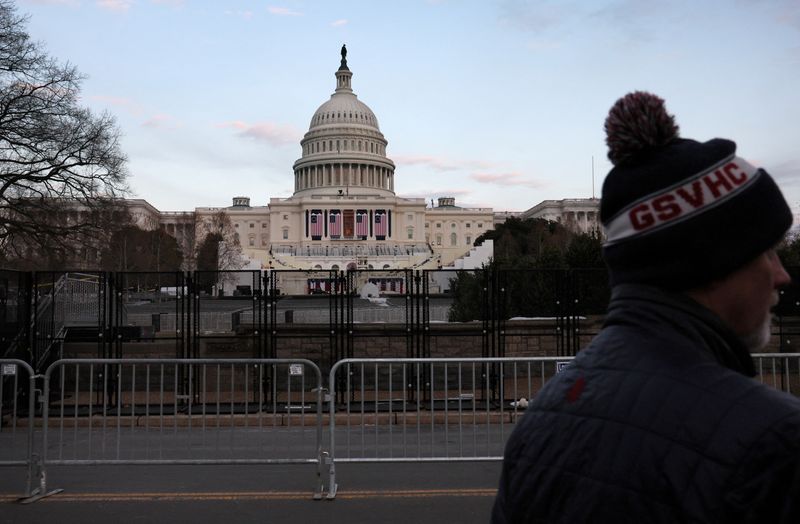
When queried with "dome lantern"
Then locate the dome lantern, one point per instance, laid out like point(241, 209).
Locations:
point(343, 75)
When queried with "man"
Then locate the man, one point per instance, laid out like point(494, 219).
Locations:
point(659, 420)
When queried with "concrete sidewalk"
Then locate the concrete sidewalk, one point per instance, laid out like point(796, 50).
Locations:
point(457, 492)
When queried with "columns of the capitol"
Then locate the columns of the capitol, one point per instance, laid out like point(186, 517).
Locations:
point(344, 174)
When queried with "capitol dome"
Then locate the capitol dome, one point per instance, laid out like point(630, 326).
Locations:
point(344, 107)
point(344, 149)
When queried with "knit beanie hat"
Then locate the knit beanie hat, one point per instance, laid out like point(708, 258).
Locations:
point(680, 213)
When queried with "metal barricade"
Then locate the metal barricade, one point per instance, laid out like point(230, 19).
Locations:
point(183, 411)
point(269, 411)
point(779, 370)
point(17, 414)
point(435, 409)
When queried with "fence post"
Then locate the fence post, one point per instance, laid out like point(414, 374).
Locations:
point(31, 424)
point(331, 458)
point(37, 461)
point(321, 454)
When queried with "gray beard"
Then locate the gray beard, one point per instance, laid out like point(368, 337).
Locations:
point(759, 338)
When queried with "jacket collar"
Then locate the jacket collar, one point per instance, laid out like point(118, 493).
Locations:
point(648, 305)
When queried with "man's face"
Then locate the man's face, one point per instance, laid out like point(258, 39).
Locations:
point(748, 294)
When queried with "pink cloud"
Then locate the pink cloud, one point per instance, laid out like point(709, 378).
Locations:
point(119, 6)
point(506, 179)
point(126, 104)
point(480, 171)
point(68, 3)
point(161, 121)
point(491, 178)
point(275, 134)
point(441, 164)
point(790, 15)
point(283, 11)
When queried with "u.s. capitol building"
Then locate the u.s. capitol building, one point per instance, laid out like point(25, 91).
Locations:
point(344, 213)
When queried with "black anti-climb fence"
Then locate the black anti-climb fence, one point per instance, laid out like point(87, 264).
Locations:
point(322, 315)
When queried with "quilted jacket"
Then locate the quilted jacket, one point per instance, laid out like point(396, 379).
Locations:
point(657, 420)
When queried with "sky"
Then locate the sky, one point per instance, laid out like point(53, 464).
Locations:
point(499, 104)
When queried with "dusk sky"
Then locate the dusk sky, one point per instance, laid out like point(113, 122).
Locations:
point(498, 103)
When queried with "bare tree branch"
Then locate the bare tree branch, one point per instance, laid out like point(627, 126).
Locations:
point(54, 154)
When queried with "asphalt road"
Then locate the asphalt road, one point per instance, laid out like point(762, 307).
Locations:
point(405, 493)
point(423, 492)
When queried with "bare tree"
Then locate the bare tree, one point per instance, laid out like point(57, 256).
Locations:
point(190, 240)
point(84, 248)
point(55, 156)
point(219, 247)
point(134, 249)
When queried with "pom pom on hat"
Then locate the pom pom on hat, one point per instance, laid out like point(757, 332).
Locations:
point(638, 121)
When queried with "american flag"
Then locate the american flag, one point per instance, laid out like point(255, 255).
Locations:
point(380, 224)
point(335, 224)
point(316, 223)
point(362, 226)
